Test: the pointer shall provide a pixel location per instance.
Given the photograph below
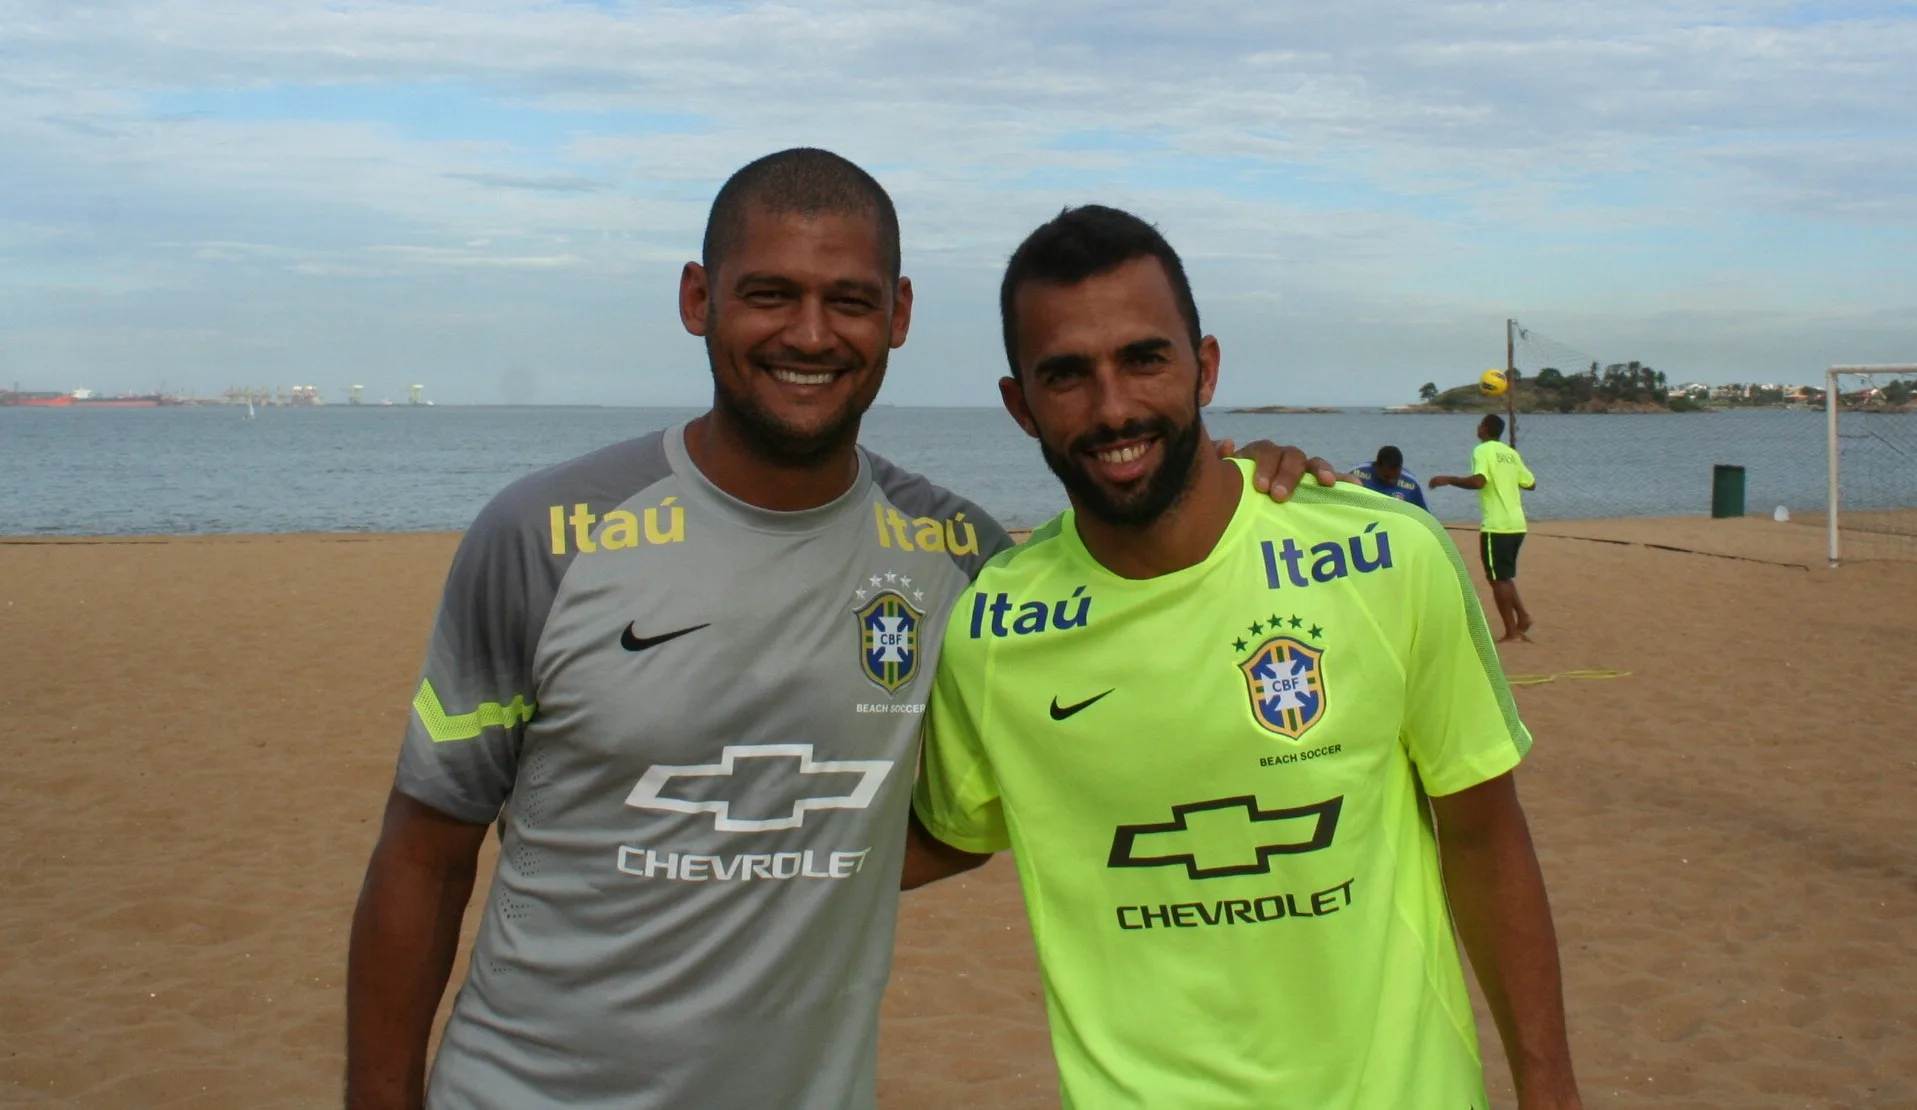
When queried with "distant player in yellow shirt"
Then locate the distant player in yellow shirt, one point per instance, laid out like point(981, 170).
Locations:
point(1253, 760)
point(1498, 474)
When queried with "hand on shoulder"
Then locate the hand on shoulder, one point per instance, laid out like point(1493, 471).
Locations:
point(1278, 468)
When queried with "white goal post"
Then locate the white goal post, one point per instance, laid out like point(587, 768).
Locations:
point(1831, 403)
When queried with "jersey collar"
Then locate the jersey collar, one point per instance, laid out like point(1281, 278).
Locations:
point(1241, 522)
point(817, 519)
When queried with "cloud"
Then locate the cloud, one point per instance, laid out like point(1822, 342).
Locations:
point(1369, 186)
point(442, 257)
point(548, 183)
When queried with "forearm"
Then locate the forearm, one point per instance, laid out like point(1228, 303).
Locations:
point(1498, 900)
point(405, 936)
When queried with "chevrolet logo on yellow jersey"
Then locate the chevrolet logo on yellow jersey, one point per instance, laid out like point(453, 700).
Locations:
point(1226, 836)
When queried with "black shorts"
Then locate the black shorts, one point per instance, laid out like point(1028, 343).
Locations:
point(1500, 551)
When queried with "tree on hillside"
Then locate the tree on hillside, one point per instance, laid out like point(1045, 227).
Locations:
point(1428, 392)
point(1632, 381)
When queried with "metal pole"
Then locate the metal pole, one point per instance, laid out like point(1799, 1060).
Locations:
point(1511, 378)
point(1830, 461)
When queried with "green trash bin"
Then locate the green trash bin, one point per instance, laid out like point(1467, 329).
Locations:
point(1727, 491)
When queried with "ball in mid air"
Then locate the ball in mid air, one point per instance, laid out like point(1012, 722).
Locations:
point(1492, 383)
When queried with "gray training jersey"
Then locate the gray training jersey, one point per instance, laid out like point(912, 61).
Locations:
point(697, 724)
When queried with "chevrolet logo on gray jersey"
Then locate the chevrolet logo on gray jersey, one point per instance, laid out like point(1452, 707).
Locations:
point(651, 790)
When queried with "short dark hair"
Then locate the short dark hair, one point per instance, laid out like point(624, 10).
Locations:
point(805, 181)
point(1082, 242)
point(1389, 456)
point(1494, 422)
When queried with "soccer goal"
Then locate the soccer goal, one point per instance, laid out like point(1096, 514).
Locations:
point(1871, 439)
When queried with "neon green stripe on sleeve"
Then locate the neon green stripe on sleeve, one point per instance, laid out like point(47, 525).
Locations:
point(465, 726)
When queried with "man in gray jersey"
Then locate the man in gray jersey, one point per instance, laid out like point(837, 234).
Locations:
point(683, 674)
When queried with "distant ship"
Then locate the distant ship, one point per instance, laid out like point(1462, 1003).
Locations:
point(17, 399)
point(86, 398)
point(80, 398)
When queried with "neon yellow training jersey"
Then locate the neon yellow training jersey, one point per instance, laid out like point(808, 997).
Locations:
point(1211, 783)
point(1504, 475)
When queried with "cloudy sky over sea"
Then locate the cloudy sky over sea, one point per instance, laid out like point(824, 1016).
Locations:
point(494, 198)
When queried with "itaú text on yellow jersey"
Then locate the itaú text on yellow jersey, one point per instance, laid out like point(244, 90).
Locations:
point(1212, 784)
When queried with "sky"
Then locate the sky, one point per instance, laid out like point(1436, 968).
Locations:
point(494, 199)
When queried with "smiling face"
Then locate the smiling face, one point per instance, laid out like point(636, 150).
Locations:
point(798, 320)
point(1110, 385)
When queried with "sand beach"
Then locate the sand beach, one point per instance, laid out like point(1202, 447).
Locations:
point(202, 731)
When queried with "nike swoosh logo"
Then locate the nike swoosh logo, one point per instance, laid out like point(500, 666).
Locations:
point(640, 643)
point(1059, 712)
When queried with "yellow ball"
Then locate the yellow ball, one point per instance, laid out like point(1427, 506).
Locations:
point(1492, 383)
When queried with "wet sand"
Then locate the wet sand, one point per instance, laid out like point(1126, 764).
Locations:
point(203, 731)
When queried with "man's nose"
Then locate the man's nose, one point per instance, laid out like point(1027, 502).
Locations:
point(810, 331)
point(1112, 404)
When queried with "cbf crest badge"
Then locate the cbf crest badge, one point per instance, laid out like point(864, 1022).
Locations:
point(1285, 679)
point(889, 639)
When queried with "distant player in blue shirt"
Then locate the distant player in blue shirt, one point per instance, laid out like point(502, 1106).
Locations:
point(1387, 475)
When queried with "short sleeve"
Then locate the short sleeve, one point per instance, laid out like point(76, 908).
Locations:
point(1415, 495)
point(1481, 460)
point(1525, 477)
point(1461, 724)
point(957, 796)
point(475, 693)
point(993, 539)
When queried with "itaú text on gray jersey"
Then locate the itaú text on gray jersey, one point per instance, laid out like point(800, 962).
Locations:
point(697, 724)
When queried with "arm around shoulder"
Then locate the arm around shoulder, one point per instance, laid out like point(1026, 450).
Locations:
point(405, 935)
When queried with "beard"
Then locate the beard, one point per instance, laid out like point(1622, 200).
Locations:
point(1147, 500)
point(778, 441)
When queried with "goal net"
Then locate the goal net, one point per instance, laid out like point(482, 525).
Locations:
point(1871, 443)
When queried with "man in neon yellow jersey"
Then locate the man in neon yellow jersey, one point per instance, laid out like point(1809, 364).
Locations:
point(1241, 751)
point(1498, 474)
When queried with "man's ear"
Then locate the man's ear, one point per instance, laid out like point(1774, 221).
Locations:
point(1208, 355)
point(901, 312)
point(1012, 393)
point(695, 299)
